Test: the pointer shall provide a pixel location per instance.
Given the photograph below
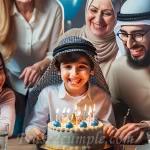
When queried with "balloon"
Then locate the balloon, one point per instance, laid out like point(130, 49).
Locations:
point(71, 8)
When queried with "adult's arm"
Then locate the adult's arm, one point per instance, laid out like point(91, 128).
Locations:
point(33, 73)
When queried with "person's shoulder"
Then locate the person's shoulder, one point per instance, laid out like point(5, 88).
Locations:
point(71, 32)
point(53, 4)
point(120, 62)
point(7, 94)
point(51, 88)
point(96, 90)
point(7, 91)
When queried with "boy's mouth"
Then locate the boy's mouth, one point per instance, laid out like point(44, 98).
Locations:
point(75, 81)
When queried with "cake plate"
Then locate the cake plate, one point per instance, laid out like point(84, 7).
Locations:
point(107, 147)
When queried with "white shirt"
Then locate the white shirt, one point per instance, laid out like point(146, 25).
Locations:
point(55, 96)
point(35, 39)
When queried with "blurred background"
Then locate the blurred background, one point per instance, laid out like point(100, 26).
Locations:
point(74, 13)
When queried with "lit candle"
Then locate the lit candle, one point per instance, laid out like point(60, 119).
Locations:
point(63, 114)
point(75, 109)
point(89, 114)
point(78, 116)
point(68, 111)
point(93, 111)
point(85, 112)
point(57, 111)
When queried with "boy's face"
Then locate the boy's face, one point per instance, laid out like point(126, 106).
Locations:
point(75, 76)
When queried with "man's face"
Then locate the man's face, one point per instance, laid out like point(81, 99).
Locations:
point(138, 52)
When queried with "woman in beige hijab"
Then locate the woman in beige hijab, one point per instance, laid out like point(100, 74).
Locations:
point(100, 21)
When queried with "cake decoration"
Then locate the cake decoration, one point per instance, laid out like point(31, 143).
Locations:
point(69, 125)
point(94, 123)
point(73, 119)
point(83, 124)
point(57, 124)
point(78, 133)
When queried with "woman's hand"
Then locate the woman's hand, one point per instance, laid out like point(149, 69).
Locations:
point(34, 135)
point(33, 73)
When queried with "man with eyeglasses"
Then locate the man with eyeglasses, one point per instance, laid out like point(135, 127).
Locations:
point(129, 81)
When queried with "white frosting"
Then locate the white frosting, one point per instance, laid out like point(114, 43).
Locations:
point(75, 138)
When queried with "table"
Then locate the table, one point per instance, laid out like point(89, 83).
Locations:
point(127, 147)
point(20, 144)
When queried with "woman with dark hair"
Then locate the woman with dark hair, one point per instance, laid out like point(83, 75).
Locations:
point(7, 99)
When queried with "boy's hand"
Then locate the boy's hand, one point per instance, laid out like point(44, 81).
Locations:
point(109, 131)
point(34, 135)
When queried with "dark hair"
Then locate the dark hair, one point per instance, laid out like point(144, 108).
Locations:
point(7, 82)
point(71, 57)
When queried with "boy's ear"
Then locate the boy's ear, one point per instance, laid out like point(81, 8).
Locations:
point(92, 73)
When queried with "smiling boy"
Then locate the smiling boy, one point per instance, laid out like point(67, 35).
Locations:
point(82, 83)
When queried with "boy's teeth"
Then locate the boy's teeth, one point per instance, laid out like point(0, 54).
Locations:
point(75, 81)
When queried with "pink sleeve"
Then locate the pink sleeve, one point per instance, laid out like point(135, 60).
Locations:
point(7, 109)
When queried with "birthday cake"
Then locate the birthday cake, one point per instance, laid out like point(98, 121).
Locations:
point(69, 136)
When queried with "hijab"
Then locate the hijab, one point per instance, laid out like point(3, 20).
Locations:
point(106, 46)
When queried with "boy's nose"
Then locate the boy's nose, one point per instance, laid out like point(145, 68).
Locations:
point(74, 71)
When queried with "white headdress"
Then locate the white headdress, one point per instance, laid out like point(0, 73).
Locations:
point(132, 12)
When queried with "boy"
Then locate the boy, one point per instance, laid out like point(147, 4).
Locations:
point(82, 83)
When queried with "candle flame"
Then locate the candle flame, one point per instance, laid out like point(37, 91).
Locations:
point(75, 108)
point(68, 110)
point(90, 110)
point(94, 108)
point(78, 113)
point(57, 111)
point(64, 110)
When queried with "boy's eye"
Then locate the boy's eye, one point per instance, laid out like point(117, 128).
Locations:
point(82, 67)
point(66, 66)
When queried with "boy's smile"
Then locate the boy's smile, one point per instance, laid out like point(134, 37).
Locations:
point(75, 76)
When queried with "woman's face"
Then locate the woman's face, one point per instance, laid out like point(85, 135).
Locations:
point(2, 76)
point(100, 17)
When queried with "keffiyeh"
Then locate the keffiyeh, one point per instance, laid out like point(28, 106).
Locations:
point(51, 77)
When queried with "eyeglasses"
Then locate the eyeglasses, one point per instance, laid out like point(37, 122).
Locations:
point(137, 37)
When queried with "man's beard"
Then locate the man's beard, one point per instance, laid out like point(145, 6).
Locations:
point(138, 64)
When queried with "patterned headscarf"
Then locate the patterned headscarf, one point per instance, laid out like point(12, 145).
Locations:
point(51, 77)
